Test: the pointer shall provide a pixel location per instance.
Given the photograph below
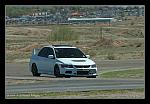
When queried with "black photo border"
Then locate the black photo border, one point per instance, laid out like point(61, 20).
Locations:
point(72, 2)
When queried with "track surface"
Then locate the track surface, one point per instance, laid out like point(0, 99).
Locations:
point(20, 71)
point(73, 84)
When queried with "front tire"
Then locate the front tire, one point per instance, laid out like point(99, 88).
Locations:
point(35, 70)
point(57, 71)
point(91, 77)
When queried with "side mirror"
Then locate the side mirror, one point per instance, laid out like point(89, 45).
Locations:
point(88, 56)
point(50, 56)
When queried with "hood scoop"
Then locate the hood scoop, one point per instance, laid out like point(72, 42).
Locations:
point(79, 60)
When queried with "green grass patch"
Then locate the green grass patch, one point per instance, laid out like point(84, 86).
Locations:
point(95, 94)
point(131, 73)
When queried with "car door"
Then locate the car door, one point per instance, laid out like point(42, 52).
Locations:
point(49, 63)
point(41, 60)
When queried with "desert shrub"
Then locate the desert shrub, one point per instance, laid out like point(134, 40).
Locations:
point(92, 53)
point(62, 34)
point(110, 56)
point(134, 33)
point(138, 44)
point(132, 23)
point(102, 41)
point(141, 34)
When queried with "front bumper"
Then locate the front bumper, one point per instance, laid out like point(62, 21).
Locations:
point(85, 72)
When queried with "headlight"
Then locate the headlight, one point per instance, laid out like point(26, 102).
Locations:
point(93, 66)
point(66, 66)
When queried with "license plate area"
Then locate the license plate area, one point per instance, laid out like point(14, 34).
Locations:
point(82, 72)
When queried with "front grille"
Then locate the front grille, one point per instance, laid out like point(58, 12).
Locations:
point(82, 66)
point(82, 72)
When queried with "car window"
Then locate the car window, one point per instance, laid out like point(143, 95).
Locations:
point(69, 53)
point(50, 51)
point(45, 52)
point(42, 53)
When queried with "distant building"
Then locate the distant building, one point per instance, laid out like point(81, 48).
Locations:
point(91, 20)
point(69, 15)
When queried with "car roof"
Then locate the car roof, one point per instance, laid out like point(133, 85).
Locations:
point(60, 46)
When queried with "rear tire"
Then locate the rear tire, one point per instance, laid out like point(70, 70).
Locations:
point(67, 76)
point(35, 70)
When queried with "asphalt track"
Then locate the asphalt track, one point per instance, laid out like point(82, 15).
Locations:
point(19, 71)
point(22, 69)
point(73, 84)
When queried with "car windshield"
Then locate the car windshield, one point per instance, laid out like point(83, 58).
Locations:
point(69, 53)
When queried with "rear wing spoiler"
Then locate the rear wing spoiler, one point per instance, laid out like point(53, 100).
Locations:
point(35, 51)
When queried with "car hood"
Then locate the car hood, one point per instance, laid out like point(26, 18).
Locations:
point(76, 61)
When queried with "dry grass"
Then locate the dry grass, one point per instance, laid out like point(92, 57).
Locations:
point(29, 48)
point(121, 40)
point(103, 42)
point(96, 94)
point(119, 43)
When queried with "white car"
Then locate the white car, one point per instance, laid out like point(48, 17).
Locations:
point(61, 61)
